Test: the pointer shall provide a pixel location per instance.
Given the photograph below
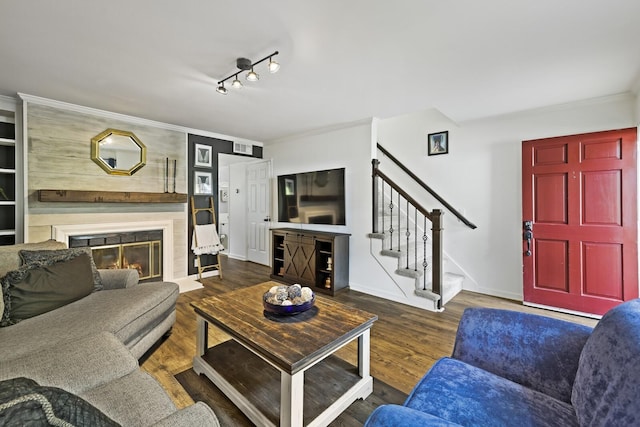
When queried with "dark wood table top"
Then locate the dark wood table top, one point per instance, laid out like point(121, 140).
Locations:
point(289, 342)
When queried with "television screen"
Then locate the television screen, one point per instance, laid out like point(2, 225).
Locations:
point(312, 197)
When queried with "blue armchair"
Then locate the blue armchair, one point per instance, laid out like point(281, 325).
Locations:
point(517, 369)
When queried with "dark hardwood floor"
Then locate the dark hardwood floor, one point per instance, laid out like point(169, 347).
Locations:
point(405, 341)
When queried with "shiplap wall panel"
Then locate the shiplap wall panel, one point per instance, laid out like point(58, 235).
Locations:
point(59, 157)
point(59, 151)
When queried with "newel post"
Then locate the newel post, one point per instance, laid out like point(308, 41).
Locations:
point(374, 195)
point(436, 261)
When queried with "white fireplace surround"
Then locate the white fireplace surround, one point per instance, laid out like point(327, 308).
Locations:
point(62, 233)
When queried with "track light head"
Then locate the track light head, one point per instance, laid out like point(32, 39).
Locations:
point(236, 84)
point(273, 65)
point(221, 89)
point(252, 76)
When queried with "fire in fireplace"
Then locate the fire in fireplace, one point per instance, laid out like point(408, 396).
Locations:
point(139, 250)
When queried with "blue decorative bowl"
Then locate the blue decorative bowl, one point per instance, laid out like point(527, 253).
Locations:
point(288, 310)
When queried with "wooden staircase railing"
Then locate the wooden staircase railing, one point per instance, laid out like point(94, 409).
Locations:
point(427, 188)
point(398, 198)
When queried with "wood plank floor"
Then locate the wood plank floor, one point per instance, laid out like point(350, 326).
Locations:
point(405, 341)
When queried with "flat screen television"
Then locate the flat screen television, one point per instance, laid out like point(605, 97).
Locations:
point(312, 197)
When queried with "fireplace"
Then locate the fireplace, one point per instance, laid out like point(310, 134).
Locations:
point(146, 246)
point(138, 250)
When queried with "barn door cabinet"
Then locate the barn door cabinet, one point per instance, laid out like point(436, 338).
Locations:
point(317, 259)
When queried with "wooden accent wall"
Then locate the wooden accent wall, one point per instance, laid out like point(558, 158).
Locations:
point(58, 156)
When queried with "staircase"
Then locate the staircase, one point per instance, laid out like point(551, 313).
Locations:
point(409, 249)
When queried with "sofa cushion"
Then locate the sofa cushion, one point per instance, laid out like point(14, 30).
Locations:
point(76, 365)
point(395, 416)
point(463, 394)
point(10, 258)
point(52, 256)
point(605, 391)
point(535, 351)
point(127, 313)
point(33, 289)
point(133, 400)
point(24, 402)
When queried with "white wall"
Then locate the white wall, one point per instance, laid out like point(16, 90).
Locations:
point(348, 147)
point(481, 176)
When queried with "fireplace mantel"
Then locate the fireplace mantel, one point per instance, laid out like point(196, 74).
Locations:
point(109, 196)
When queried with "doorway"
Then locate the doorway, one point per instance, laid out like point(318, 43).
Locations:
point(244, 206)
point(580, 237)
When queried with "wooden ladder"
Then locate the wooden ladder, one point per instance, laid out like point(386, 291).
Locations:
point(194, 214)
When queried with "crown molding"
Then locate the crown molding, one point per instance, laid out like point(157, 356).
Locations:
point(32, 99)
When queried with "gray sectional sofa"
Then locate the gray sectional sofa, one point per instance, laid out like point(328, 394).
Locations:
point(90, 347)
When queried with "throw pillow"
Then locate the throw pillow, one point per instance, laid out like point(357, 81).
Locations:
point(24, 402)
point(48, 257)
point(32, 290)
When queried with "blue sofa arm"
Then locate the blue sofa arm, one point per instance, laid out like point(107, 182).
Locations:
point(538, 352)
point(401, 416)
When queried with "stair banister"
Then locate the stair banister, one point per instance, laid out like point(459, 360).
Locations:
point(434, 216)
point(437, 258)
point(413, 176)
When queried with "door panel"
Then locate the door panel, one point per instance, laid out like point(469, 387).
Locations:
point(258, 206)
point(581, 193)
point(553, 188)
point(601, 281)
point(552, 264)
point(599, 210)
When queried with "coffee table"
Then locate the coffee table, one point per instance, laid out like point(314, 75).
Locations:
point(292, 345)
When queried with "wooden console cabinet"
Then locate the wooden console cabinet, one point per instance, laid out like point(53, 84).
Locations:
point(317, 259)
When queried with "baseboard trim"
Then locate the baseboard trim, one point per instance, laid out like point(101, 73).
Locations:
point(562, 310)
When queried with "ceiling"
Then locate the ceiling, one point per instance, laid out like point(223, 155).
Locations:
point(342, 61)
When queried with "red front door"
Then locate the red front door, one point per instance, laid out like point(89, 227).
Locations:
point(579, 194)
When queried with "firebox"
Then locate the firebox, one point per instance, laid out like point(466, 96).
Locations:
point(138, 250)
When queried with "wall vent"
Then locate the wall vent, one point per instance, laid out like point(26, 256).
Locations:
point(242, 148)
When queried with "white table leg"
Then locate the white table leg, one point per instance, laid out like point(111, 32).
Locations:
point(201, 336)
point(291, 399)
point(364, 354)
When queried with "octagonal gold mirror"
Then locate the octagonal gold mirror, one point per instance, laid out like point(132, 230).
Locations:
point(118, 152)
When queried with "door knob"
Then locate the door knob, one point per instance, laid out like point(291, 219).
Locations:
point(528, 236)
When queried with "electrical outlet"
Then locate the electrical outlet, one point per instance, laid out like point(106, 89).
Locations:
point(195, 262)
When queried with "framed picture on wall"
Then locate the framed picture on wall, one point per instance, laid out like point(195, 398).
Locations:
point(202, 183)
point(203, 156)
point(438, 143)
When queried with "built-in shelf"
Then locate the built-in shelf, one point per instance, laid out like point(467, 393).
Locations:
point(78, 196)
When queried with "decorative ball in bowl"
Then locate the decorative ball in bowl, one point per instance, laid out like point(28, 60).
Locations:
point(288, 300)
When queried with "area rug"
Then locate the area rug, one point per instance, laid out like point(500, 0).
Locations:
point(333, 374)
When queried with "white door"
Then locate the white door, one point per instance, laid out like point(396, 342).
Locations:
point(258, 211)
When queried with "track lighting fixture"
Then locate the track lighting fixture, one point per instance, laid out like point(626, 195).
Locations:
point(245, 64)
